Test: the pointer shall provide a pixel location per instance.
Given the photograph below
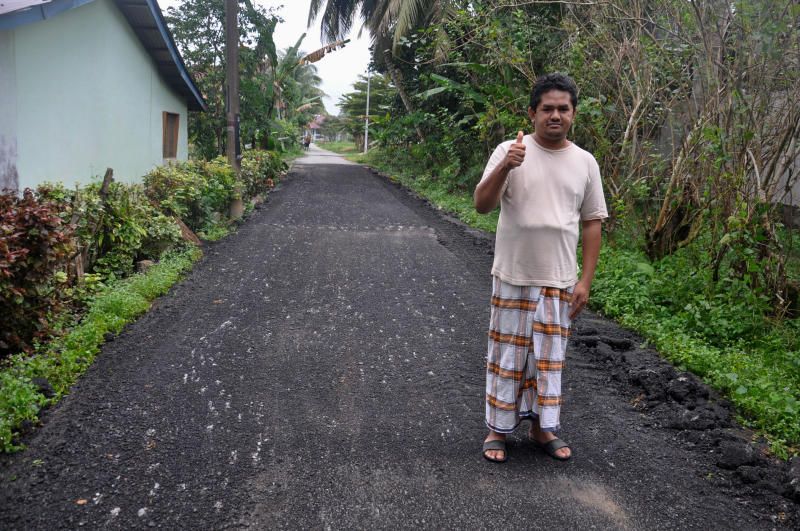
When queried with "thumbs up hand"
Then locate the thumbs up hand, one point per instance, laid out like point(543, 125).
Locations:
point(516, 152)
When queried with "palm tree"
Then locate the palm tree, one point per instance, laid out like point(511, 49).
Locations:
point(388, 21)
point(383, 18)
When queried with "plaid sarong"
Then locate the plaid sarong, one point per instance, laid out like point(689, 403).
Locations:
point(528, 333)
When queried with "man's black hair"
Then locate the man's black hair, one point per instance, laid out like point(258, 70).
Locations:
point(555, 81)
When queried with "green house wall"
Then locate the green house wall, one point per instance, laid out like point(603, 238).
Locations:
point(81, 95)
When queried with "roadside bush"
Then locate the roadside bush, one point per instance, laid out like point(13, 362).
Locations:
point(177, 190)
point(721, 335)
point(194, 191)
point(35, 243)
point(113, 228)
point(285, 136)
point(162, 234)
point(259, 170)
point(220, 185)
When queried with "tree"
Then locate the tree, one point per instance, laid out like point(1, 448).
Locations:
point(278, 94)
point(198, 29)
point(353, 105)
point(388, 21)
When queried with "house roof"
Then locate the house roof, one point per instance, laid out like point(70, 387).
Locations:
point(146, 20)
point(7, 6)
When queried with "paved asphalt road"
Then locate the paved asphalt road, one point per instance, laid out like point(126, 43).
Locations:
point(323, 368)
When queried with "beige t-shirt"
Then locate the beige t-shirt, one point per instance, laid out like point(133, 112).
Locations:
point(543, 202)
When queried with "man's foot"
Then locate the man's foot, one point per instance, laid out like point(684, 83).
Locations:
point(544, 438)
point(495, 452)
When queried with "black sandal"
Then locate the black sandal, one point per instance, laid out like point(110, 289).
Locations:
point(495, 444)
point(551, 447)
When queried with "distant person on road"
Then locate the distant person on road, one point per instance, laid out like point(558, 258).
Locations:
point(306, 141)
point(546, 187)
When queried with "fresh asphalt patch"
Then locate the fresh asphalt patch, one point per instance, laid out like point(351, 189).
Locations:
point(323, 367)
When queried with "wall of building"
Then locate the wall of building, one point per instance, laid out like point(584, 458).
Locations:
point(88, 97)
point(8, 114)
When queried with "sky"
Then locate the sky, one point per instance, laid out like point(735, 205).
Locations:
point(338, 69)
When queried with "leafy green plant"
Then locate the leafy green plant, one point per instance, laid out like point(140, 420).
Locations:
point(161, 233)
point(62, 361)
point(35, 243)
point(260, 171)
point(176, 189)
point(194, 191)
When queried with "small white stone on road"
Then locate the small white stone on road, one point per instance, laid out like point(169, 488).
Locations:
point(142, 512)
point(115, 511)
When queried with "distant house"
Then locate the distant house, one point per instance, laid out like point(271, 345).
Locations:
point(314, 127)
point(86, 85)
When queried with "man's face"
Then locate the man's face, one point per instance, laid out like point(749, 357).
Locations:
point(554, 115)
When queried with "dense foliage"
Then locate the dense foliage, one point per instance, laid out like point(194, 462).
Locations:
point(278, 94)
point(35, 243)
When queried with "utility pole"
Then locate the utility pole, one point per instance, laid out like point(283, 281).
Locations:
point(366, 118)
point(233, 150)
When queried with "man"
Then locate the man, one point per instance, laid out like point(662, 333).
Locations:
point(545, 186)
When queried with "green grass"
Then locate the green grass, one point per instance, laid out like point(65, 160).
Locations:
point(757, 367)
point(293, 154)
point(758, 371)
point(343, 148)
point(63, 360)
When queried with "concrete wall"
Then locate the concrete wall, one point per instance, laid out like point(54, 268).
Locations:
point(88, 97)
point(8, 114)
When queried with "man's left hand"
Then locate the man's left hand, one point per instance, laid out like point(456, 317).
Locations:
point(580, 296)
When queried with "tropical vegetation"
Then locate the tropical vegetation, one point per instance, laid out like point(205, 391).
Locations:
point(279, 94)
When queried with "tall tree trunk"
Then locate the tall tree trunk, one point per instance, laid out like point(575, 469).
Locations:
point(397, 79)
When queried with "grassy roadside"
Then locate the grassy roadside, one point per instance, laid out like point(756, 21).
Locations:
point(59, 364)
point(760, 374)
point(343, 148)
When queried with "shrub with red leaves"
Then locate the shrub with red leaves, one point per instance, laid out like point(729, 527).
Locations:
point(34, 244)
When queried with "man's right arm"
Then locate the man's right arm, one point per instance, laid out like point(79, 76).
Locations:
point(487, 193)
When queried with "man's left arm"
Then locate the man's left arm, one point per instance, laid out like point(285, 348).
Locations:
point(591, 238)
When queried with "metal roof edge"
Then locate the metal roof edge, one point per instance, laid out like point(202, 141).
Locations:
point(36, 13)
point(155, 10)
